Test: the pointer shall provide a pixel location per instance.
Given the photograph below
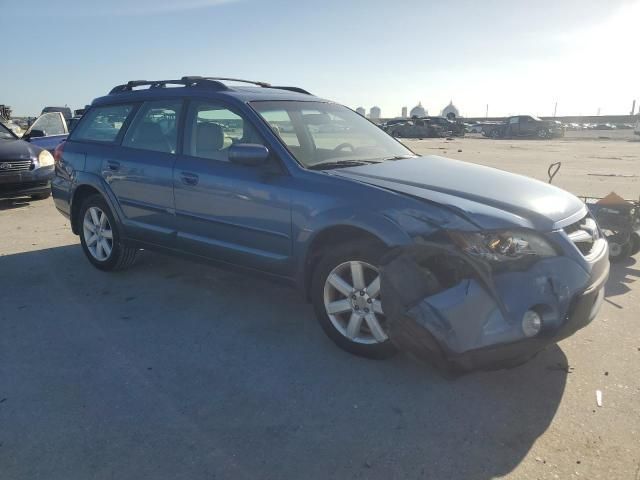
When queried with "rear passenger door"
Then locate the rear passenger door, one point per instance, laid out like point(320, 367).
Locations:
point(140, 171)
point(234, 213)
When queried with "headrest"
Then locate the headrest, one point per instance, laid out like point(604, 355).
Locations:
point(149, 135)
point(209, 138)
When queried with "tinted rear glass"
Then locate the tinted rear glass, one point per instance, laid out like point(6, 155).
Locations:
point(102, 124)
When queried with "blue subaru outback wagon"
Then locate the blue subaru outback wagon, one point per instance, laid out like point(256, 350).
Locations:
point(467, 266)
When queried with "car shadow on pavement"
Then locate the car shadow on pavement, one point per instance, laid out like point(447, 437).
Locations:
point(620, 276)
point(174, 369)
point(10, 204)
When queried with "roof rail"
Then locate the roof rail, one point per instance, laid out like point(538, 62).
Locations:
point(260, 84)
point(185, 81)
point(292, 89)
point(196, 81)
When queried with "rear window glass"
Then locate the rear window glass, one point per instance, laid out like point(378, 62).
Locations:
point(102, 124)
point(155, 127)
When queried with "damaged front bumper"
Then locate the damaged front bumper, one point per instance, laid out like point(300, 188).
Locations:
point(460, 314)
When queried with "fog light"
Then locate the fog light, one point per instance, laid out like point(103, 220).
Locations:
point(531, 323)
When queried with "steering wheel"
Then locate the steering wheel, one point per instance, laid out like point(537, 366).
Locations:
point(344, 145)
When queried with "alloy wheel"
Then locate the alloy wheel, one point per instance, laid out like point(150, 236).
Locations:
point(352, 302)
point(98, 235)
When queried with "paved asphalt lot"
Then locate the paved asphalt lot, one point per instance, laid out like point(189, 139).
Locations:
point(175, 370)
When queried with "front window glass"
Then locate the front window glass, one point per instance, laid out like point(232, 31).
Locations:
point(50, 123)
point(320, 134)
point(102, 124)
point(211, 129)
point(155, 127)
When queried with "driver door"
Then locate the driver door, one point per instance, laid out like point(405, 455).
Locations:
point(513, 129)
point(527, 126)
point(47, 131)
point(233, 213)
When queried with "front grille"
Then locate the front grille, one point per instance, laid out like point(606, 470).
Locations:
point(13, 166)
point(583, 233)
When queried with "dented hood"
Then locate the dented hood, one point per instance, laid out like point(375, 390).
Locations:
point(480, 193)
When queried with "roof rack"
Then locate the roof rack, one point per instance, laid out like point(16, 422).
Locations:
point(196, 81)
point(185, 81)
point(260, 84)
point(225, 79)
point(292, 89)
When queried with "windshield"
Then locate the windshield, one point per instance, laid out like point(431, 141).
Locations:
point(318, 133)
point(6, 133)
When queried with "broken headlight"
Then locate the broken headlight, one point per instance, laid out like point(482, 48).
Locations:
point(503, 246)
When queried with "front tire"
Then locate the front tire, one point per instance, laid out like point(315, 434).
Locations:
point(543, 133)
point(345, 291)
point(100, 236)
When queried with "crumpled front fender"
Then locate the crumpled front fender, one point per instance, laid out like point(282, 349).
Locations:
point(441, 304)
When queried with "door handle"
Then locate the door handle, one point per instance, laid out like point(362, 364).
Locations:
point(189, 178)
point(113, 165)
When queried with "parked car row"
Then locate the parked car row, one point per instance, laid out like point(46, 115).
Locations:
point(424, 127)
point(530, 126)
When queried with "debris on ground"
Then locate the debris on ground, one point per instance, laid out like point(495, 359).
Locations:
point(599, 397)
point(623, 175)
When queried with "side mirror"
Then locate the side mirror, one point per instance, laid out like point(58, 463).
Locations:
point(34, 134)
point(249, 154)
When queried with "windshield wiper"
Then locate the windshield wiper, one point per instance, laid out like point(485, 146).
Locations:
point(400, 157)
point(340, 164)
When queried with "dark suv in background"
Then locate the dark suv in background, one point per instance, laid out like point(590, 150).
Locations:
point(462, 264)
point(524, 126)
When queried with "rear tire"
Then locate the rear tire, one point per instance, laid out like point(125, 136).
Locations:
point(365, 341)
point(100, 237)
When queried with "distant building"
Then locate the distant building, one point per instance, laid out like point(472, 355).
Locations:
point(450, 111)
point(404, 112)
point(361, 111)
point(418, 111)
point(374, 113)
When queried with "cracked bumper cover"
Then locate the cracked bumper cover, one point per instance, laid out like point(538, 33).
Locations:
point(477, 322)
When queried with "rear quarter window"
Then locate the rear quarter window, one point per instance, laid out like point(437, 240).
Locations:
point(102, 124)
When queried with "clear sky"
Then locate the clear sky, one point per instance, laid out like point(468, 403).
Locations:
point(517, 56)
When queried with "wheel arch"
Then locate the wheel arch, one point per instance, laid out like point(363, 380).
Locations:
point(89, 185)
point(79, 195)
point(330, 236)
